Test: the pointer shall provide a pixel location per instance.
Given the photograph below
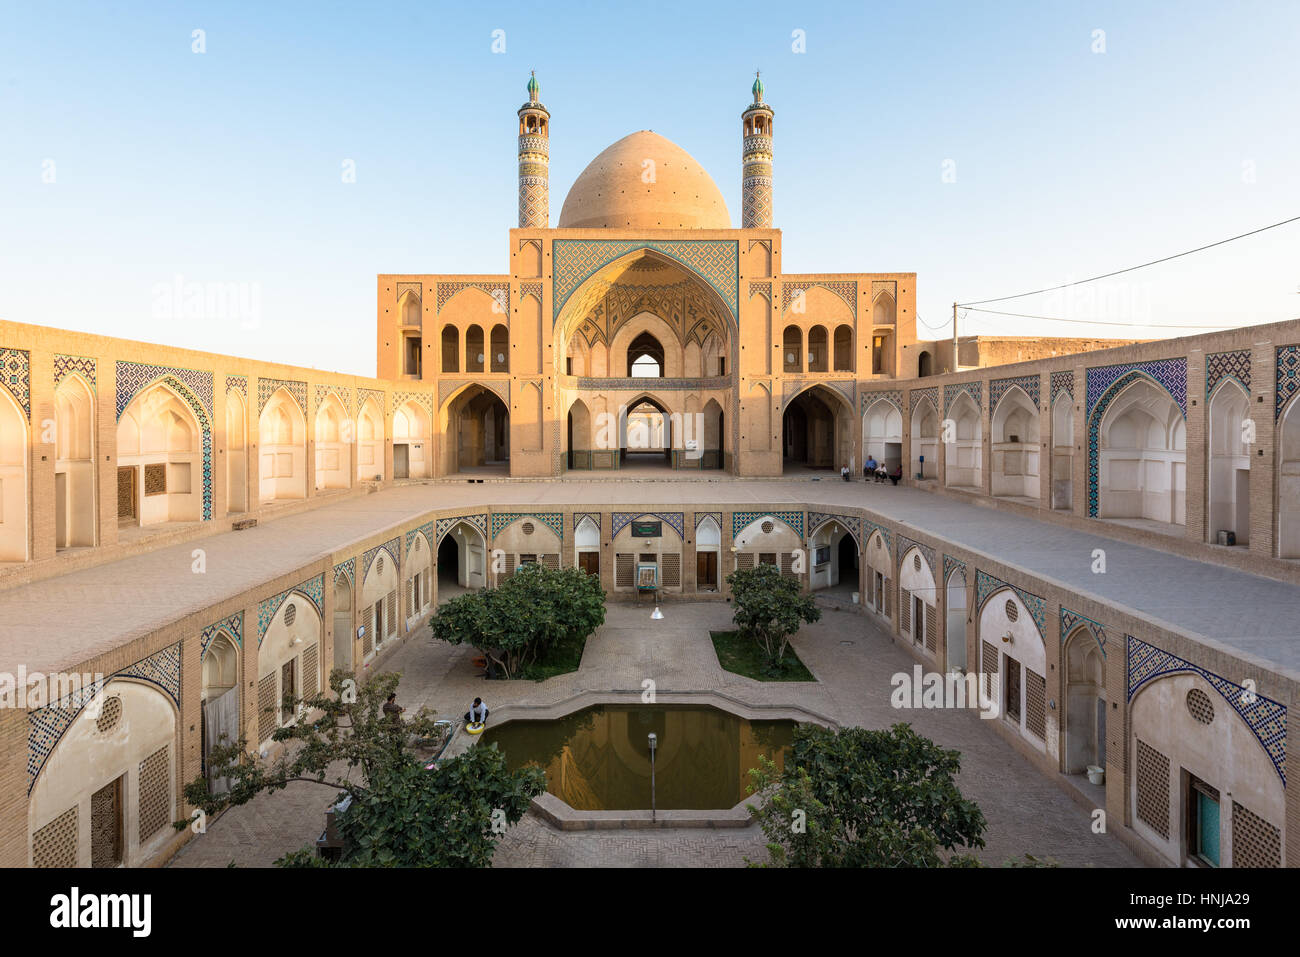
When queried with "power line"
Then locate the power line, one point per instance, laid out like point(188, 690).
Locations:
point(1119, 272)
point(1088, 322)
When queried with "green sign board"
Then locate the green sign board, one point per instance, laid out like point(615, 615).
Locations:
point(647, 529)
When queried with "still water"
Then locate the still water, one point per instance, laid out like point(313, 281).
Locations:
point(598, 759)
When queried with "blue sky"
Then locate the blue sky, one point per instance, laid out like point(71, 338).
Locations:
point(225, 168)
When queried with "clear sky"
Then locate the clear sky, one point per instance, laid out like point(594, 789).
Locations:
point(226, 167)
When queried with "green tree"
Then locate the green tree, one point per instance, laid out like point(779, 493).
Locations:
point(527, 617)
point(865, 798)
point(402, 814)
point(770, 608)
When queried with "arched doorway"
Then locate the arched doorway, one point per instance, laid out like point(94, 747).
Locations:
point(159, 459)
point(834, 560)
point(955, 628)
point(579, 436)
point(462, 561)
point(412, 443)
point(1014, 472)
point(882, 434)
point(586, 546)
point(236, 454)
point(1229, 463)
point(333, 454)
point(419, 581)
point(1085, 702)
point(478, 432)
point(924, 364)
point(1143, 458)
point(815, 431)
point(918, 602)
point(220, 701)
point(645, 357)
point(378, 601)
point(645, 434)
point(712, 444)
point(343, 626)
point(282, 429)
point(925, 440)
point(965, 451)
point(1288, 484)
point(708, 554)
point(1063, 451)
point(288, 665)
point(1014, 660)
point(74, 468)
point(370, 442)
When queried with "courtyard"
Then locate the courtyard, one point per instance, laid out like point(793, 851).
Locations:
point(853, 660)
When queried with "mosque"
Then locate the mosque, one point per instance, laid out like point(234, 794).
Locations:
point(185, 537)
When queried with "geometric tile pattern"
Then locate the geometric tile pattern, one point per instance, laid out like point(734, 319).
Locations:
point(426, 530)
point(760, 288)
point(699, 517)
point(422, 399)
point(267, 387)
point(974, 389)
point(444, 525)
point(66, 365)
point(364, 395)
point(1029, 383)
point(1169, 373)
point(577, 260)
point(741, 519)
point(137, 376)
point(494, 289)
point(313, 589)
point(16, 376)
point(595, 518)
point(927, 550)
point(1173, 378)
point(531, 289)
point(1288, 376)
point(1265, 717)
point(1062, 382)
point(1227, 365)
point(619, 520)
point(846, 290)
point(869, 528)
point(134, 376)
point(851, 523)
point(951, 564)
point(47, 725)
point(1072, 619)
point(552, 520)
point(392, 546)
point(233, 626)
point(986, 585)
point(343, 393)
point(893, 396)
point(931, 393)
point(348, 568)
point(237, 383)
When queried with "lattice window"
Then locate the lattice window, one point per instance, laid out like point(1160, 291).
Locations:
point(670, 567)
point(310, 671)
point(426, 592)
point(109, 715)
point(744, 561)
point(1153, 788)
point(106, 825)
point(528, 528)
point(155, 792)
point(1200, 706)
point(290, 613)
point(916, 563)
point(551, 560)
point(787, 565)
point(390, 619)
point(1255, 842)
point(379, 565)
point(410, 597)
point(989, 665)
point(155, 479)
point(767, 528)
point(1036, 704)
point(1012, 611)
point(931, 629)
point(511, 564)
point(905, 613)
point(266, 706)
point(623, 570)
point(125, 492)
point(367, 642)
point(55, 844)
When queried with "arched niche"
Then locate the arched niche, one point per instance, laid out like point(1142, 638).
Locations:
point(1015, 451)
point(965, 451)
point(159, 459)
point(282, 429)
point(333, 450)
point(74, 464)
point(925, 439)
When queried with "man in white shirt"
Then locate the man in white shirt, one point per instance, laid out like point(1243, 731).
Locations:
point(478, 712)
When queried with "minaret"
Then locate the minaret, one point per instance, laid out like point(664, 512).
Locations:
point(756, 181)
point(534, 161)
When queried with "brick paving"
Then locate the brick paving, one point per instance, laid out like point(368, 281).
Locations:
point(1027, 812)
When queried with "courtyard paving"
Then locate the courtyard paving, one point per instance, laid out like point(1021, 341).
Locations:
point(851, 657)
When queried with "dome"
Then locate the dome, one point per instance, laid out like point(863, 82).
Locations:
point(610, 192)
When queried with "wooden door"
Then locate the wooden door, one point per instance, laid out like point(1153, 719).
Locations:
point(589, 562)
point(706, 569)
point(126, 496)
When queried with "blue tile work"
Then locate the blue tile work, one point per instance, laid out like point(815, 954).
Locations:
point(132, 377)
point(1169, 373)
point(740, 519)
point(904, 544)
point(181, 381)
point(851, 523)
point(530, 289)
point(394, 548)
point(268, 387)
point(47, 725)
point(444, 525)
point(1062, 382)
point(426, 529)
point(950, 565)
point(869, 528)
point(1264, 716)
point(986, 585)
point(233, 626)
point(348, 568)
point(893, 396)
point(676, 520)
point(998, 388)
point(83, 366)
point(1227, 365)
point(577, 260)
point(1172, 377)
point(931, 393)
point(595, 518)
point(974, 389)
point(1288, 376)
point(313, 589)
point(846, 289)
point(552, 520)
point(1072, 619)
point(760, 288)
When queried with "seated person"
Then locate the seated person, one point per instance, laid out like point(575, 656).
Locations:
point(897, 474)
point(844, 472)
point(881, 474)
point(478, 712)
point(869, 466)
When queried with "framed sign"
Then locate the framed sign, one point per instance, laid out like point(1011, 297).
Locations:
point(647, 577)
point(647, 529)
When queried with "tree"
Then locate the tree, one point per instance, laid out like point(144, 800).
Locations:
point(402, 814)
point(770, 608)
point(526, 617)
point(865, 798)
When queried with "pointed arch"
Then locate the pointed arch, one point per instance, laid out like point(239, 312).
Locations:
point(164, 456)
point(333, 451)
point(370, 441)
point(1228, 462)
point(965, 453)
point(75, 522)
point(1014, 447)
point(282, 431)
point(925, 439)
point(14, 498)
point(236, 452)
point(1137, 451)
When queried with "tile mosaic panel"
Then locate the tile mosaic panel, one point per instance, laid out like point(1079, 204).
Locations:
point(313, 589)
point(552, 520)
point(1227, 365)
point(1072, 619)
point(741, 519)
point(675, 520)
point(83, 366)
point(851, 523)
point(233, 626)
point(986, 585)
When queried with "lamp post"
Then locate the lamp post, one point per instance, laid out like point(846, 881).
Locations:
point(653, 742)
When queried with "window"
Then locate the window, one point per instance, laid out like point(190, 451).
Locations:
point(155, 479)
point(767, 558)
point(1011, 700)
point(1203, 823)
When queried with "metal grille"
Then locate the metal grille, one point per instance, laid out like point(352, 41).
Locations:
point(155, 789)
point(106, 825)
point(310, 668)
point(989, 665)
point(1153, 788)
point(931, 629)
point(109, 715)
point(1255, 842)
point(155, 479)
point(266, 707)
point(1036, 704)
point(905, 612)
point(1200, 706)
point(55, 844)
point(623, 570)
point(670, 567)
